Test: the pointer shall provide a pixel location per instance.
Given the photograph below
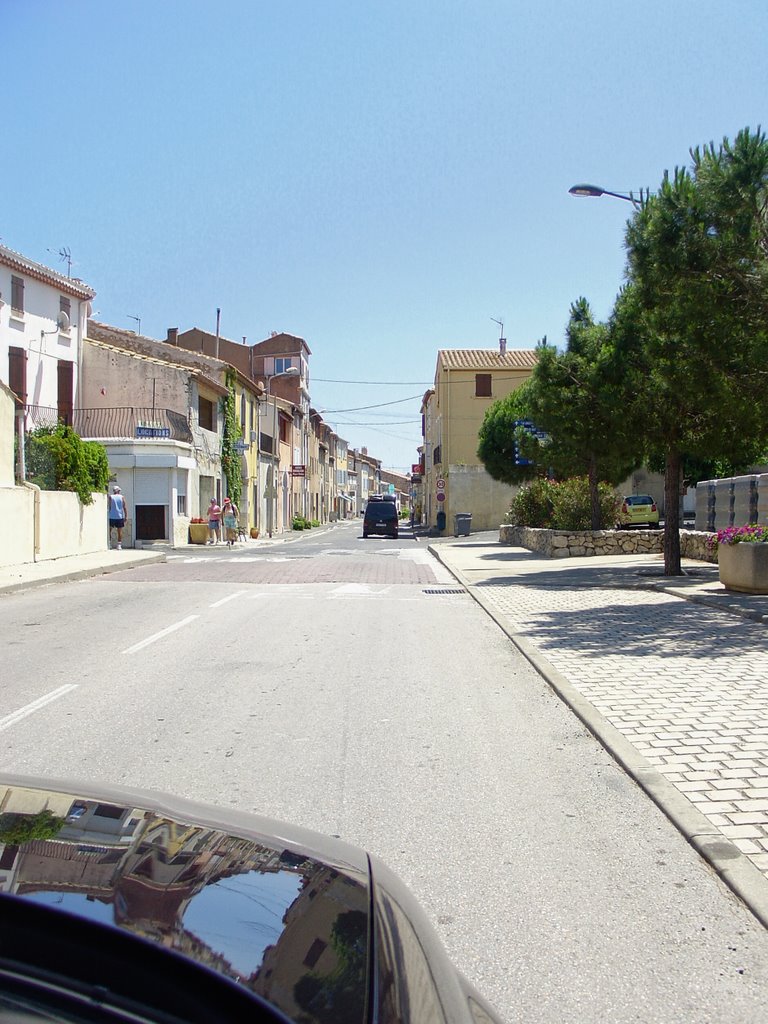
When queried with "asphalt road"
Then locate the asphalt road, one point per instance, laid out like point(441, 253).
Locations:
point(348, 686)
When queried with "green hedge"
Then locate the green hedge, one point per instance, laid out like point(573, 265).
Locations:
point(58, 460)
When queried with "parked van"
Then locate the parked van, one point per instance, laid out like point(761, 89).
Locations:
point(381, 517)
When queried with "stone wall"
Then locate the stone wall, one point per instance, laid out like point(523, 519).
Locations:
point(579, 543)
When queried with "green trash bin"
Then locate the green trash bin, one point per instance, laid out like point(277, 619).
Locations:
point(462, 523)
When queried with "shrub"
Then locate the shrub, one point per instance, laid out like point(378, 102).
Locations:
point(564, 505)
point(22, 828)
point(57, 460)
point(299, 523)
point(532, 505)
point(315, 522)
point(572, 508)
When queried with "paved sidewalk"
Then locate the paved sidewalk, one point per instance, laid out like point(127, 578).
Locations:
point(670, 674)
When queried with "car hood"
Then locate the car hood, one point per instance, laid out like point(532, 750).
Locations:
point(278, 910)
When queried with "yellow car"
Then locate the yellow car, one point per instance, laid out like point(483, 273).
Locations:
point(638, 510)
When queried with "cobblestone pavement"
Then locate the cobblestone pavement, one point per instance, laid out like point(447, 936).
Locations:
point(685, 684)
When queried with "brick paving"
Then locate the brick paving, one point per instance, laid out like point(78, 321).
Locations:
point(285, 570)
point(687, 685)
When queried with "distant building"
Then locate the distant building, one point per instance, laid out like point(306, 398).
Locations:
point(467, 383)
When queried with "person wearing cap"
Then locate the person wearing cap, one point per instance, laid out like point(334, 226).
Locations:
point(214, 522)
point(117, 515)
point(229, 518)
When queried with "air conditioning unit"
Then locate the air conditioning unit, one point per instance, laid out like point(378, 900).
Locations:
point(254, 436)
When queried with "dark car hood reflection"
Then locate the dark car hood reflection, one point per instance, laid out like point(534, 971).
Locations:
point(291, 925)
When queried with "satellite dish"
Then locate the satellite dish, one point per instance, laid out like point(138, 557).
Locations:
point(62, 321)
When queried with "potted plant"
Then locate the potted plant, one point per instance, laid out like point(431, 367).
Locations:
point(742, 557)
point(254, 533)
point(198, 530)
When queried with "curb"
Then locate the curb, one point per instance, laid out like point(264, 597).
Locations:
point(729, 863)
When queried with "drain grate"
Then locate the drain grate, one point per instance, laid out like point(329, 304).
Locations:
point(431, 591)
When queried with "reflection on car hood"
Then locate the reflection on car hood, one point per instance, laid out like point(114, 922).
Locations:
point(279, 910)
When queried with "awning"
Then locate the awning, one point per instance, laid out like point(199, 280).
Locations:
point(346, 497)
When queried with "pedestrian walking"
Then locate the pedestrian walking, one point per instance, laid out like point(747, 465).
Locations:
point(229, 518)
point(214, 522)
point(117, 515)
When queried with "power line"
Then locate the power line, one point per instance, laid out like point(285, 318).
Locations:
point(379, 405)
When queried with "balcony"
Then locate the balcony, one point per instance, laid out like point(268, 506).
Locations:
point(121, 424)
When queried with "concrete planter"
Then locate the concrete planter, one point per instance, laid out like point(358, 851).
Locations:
point(198, 533)
point(744, 567)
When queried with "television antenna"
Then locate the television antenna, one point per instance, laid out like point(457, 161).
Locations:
point(65, 256)
point(138, 322)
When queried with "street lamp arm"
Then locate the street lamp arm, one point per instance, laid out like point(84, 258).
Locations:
point(596, 190)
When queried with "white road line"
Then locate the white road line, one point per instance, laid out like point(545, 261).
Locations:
point(29, 709)
point(224, 600)
point(160, 635)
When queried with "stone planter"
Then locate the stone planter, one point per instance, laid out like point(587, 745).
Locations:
point(744, 567)
point(198, 533)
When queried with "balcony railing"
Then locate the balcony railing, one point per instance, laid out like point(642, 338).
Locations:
point(119, 424)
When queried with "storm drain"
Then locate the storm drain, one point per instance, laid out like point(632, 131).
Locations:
point(432, 591)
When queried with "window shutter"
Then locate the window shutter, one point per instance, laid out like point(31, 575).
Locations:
point(17, 294)
point(482, 385)
point(65, 390)
point(17, 374)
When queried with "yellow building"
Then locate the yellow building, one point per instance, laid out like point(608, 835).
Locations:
point(467, 382)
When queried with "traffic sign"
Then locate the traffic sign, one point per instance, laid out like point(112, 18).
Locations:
point(441, 496)
point(441, 484)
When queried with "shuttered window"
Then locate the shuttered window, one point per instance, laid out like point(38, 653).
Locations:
point(482, 385)
point(17, 374)
point(65, 386)
point(17, 294)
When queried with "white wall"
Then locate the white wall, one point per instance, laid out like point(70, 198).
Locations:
point(54, 521)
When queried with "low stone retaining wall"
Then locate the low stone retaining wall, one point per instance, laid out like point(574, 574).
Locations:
point(571, 544)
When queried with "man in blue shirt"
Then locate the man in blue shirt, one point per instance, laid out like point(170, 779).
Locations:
point(117, 515)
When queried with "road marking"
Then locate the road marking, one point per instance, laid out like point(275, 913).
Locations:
point(224, 600)
point(160, 635)
point(29, 709)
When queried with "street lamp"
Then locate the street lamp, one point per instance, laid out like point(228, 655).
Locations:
point(595, 190)
point(292, 371)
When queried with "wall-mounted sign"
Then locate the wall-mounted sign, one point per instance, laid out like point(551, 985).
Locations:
point(298, 470)
point(153, 431)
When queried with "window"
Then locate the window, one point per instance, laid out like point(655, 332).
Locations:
point(282, 364)
point(206, 413)
point(65, 389)
point(242, 411)
point(17, 373)
point(17, 294)
point(482, 385)
point(181, 504)
point(437, 456)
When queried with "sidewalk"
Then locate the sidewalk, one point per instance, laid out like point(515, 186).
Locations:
point(669, 674)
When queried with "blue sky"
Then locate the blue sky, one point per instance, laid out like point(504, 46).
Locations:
point(380, 178)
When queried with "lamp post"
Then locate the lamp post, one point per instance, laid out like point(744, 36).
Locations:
point(292, 371)
point(594, 191)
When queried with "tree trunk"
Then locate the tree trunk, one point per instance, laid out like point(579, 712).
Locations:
point(594, 494)
point(672, 470)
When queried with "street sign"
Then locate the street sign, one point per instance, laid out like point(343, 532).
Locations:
point(441, 496)
point(241, 447)
point(416, 469)
point(441, 484)
point(298, 470)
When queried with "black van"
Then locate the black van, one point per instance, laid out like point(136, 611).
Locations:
point(380, 517)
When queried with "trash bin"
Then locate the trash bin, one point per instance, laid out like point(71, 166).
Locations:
point(462, 522)
point(441, 520)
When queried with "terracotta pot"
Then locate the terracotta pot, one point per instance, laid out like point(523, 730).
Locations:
point(254, 533)
point(744, 567)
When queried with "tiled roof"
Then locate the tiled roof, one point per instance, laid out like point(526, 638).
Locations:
point(71, 285)
point(486, 359)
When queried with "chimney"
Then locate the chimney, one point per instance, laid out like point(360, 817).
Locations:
point(173, 336)
point(502, 346)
